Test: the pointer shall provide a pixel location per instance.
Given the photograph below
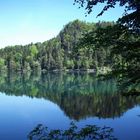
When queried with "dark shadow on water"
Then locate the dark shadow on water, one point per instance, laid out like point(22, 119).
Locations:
point(78, 95)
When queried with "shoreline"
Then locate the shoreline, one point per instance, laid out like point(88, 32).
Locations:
point(99, 71)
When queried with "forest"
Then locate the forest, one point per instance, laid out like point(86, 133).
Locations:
point(64, 52)
point(81, 46)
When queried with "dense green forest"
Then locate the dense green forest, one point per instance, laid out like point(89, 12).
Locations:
point(64, 52)
point(123, 39)
point(103, 47)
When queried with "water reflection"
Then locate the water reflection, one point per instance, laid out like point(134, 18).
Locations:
point(78, 95)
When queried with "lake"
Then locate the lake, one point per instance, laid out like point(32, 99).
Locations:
point(55, 100)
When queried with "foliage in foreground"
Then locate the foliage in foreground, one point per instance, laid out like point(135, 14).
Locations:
point(124, 50)
point(89, 132)
point(124, 40)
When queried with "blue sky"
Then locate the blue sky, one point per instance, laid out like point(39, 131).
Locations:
point(26, 21)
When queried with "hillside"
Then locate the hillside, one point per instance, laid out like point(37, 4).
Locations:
point(60, 53)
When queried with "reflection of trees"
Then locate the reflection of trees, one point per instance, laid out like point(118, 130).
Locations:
point(79, 95)
point(106, 106)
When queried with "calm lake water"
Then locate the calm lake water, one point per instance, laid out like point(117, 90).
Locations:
point(54, 100)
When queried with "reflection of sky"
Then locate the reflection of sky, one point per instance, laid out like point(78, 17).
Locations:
point(19, 115)
point(125, 128)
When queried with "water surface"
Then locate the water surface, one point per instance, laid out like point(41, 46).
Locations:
point(55, 100)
